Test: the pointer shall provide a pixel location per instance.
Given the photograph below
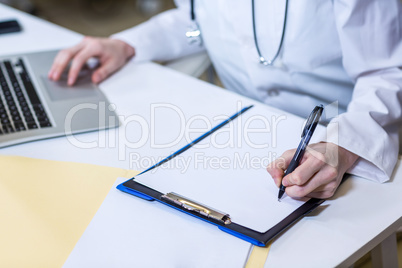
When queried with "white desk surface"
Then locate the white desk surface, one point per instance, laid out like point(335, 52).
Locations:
point(360, 216)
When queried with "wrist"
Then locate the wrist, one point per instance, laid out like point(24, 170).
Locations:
point(347, 156)
point(128, 50)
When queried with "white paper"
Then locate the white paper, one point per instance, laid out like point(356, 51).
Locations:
point(227, 170)
point(128, 231)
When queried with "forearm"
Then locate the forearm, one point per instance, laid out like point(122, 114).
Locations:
point(370, 126)
point(371, 41)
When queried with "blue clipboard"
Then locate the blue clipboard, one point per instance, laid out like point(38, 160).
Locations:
point(215, 217)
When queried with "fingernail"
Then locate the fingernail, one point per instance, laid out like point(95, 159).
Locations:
point(50, 74)
point(55, 75)
point(278, 182)
point(70, 81)
point(97, 78)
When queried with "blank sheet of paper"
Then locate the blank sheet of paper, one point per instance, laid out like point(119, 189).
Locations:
point(128, 231)
point(227, 170)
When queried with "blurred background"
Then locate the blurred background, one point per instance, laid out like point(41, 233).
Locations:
point(93, 17)
point(105, 17)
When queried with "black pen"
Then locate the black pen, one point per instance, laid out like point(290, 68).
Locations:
point(306, 135)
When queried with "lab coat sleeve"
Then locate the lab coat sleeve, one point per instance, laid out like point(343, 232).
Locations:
point(161, 38)
point(370, 32)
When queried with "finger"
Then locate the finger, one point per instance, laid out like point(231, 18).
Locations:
point(79, 60)
point(277, 168)
point(310, 165)
point(61, 61)
point(323, 181)
point(105, 70)
point(296, 191)
point(276, 172)
point(321, 194)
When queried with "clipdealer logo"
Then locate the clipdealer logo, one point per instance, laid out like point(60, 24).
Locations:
point(200, 160)
point(138, 131)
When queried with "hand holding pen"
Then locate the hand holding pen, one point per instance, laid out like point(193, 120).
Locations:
point(316, 173)
point(306, 135)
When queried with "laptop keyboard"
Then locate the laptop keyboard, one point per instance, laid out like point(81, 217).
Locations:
point(20, 106)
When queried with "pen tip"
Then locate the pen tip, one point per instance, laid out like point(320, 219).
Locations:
point(279, 200)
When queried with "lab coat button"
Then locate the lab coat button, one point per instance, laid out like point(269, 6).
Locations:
point(273, 92)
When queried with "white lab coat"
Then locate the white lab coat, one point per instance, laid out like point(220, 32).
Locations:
point(343, 51)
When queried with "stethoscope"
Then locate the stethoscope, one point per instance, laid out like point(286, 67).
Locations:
point(194, 34)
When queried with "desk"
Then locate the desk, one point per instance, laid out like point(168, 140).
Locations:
point(360, 216)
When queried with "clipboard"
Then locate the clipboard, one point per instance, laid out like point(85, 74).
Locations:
point(211, 215)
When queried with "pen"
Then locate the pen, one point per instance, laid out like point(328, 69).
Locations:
point(306, 135)
point(200, 138)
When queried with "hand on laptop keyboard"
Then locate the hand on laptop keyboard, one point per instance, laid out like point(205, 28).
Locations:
point(112, 55)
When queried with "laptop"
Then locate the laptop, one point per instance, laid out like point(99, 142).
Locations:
point(32, 107)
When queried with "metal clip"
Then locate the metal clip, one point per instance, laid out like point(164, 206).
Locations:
point(193, 34)
point(197, 207)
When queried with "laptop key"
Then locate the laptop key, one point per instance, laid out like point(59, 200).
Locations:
point(25, 108)
point(12, 106)
point(7, 93)
point(40, 114)
point(45, 124)
point(16, 118)
point(19, 126)
point(32, 125)
point(38, 107)
point(9, 99)
point(29, 119)
point(27, 112)
point(22, 101)
point(33, 97)
point(8, 128)
point(5, 121)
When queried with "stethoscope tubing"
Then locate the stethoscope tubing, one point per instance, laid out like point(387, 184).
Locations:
point(262, 59)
